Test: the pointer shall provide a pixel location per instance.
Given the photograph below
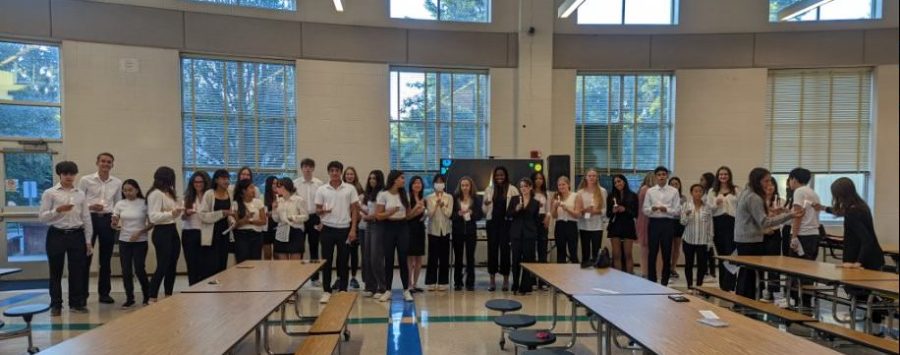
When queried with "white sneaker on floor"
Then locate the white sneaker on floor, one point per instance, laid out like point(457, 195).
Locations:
point(432, 287)
point(367, 293)
point(442, 287)
point(407, 296)
point(386, 296)
point(325, 297)
point(376, 296)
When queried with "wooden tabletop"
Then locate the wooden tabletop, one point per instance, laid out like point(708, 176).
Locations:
point(813, 269)
point(889, 288)
point(667, 327)
point(8, 271)
point(571, 279)
point(187, 323)
point(890, 249)
point(260, 276)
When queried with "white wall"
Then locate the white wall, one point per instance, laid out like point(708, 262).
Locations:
point(886, 208)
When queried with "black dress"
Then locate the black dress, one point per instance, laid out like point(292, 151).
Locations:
point(416, 233)
point(220, 242)
point(621, 225)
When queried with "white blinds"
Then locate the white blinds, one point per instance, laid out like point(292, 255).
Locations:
point(819, 120)
point(623, 122)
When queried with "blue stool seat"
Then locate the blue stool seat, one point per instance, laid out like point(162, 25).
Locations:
point(503, 305)
point(26, 310)
point(529, 339)
point(515, 321)
point(548, 351)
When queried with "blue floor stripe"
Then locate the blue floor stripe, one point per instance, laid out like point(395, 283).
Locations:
point(402, 338)
point(20, 298)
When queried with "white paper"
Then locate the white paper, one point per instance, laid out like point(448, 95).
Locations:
point(603, 290)
point(708, 314)
point(587, 215)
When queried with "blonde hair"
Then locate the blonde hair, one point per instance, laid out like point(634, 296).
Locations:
point(598, 192)
point(648, 179)
point(564, 179)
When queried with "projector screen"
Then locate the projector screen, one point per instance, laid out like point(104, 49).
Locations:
point(480, 170)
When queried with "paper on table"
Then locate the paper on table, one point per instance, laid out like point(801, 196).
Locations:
point(603, 290)
point(708, 314)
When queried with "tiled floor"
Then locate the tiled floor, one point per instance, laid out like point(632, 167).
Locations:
point(445, 322)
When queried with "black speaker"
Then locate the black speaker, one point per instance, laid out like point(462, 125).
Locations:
point(557, 165)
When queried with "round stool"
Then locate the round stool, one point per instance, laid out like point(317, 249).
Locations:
point(528, 338)
point(27, 313)
point(509, 322)
point(548, 351)
point(503, 306)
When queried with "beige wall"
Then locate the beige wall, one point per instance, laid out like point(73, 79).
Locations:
point(886, 207)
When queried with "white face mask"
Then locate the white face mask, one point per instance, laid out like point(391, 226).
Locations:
point(439, 187)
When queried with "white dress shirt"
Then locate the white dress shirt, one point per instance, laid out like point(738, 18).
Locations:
point(339, 200)
point(666, 196)
point(253, 208)
point(77, 217)
point(99, 192)
point(595, 222)
point(307, 189)
point(132, 215)
point(291, 212)
point(805, 197)
point(389, 201)
point(159, 208)
point(729, 202)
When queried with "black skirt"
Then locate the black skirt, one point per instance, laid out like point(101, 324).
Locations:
point(622, 227)
point(416, 238)
point(294, 245)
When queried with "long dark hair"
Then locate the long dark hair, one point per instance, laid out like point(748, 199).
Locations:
point(371, 192)
point(845, 198)
point(269, 194)
point(216, 175)
point(709, 180)
point(775, 195)
point(239, 191)
point(416, 196)
point(680, 185)
point(392, 177)
point(717, 185)
point(287, 184)
point(500, 191)
point(754, 181)
point(190, 194)
point(626, 191)
point(135, 185)
point(164, 180)
point(542, 189)
point(241, 170)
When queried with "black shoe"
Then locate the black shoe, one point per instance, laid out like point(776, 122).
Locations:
point(470, 288)
point(354, 284)
point(504, 288)
point(334, 286)
point(514, 289)
point(81, 309)
point(457, 288)
point(106, 299)
point(418, 290)
point(492, 288)
point(674, 275)
point(128, 304)
point(55, 312)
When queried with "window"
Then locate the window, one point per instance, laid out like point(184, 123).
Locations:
point(437, 114)
point(29, 91)
point(442, 10)
point(239, 113)
point(820, 120)
point(623, 123)
point(823, 10)
point(628, 12)
point(284, 5)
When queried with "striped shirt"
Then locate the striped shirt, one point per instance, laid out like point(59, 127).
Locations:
point(698, 224)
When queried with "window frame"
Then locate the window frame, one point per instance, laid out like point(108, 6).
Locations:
point(876, 8)
point(242, 6)
point(288, 170)
point(673, 18)
point(60, 104)
point(579, 167)
point(489, 17)
point(481, 106)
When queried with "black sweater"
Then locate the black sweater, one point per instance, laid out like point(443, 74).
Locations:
point(860, 243)
point(460, 225)
point(525, 222)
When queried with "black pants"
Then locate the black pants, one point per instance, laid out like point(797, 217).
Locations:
point(220, 251)
point(700, 252)
point(133, 256)
point(660, 233)
point(68, 245)
point(810, 246)
point(541, 245)
point(711, 260)
point(312, 237)
point(353, 254)
point(190, 242)
point(772, 242)
point(746, 278)
point(566, 234)
point(590, 244)
point(247, 245)
point(438, 271)
point(106, 236)
point(464, 249)
point(723, 231)
point(522, 252)
point(498, 246)
point(396, 237)
point(168, 248)
point(334, 238)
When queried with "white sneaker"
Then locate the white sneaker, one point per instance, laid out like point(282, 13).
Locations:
point(386, 296)
point(376, 296)
point(432, 287)
point(407, 296)
point(442, 287)
point(325, 297)
point(367, 293)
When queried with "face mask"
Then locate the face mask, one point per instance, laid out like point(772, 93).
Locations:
point(439, 187)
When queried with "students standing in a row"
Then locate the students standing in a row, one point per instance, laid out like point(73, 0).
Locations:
point(439, 208)
point(466, 212)
point(290, 215)
point(524, 213)
point(723, 196)
point(249, 219)
point(102, 192)
point(622, 209)
point(373, 243)
point(162, 210)
point(416, 219)
point(590, 226)
point(564, 210)
point(306, 186)
point(351, 178)
point(130, 218)
point(696, 217)
point(540, 194)
point(391, 212)
point(496, 204)
point(338, 206)
point(662, 206)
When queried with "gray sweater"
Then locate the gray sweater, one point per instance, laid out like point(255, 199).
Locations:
point(751, 220)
